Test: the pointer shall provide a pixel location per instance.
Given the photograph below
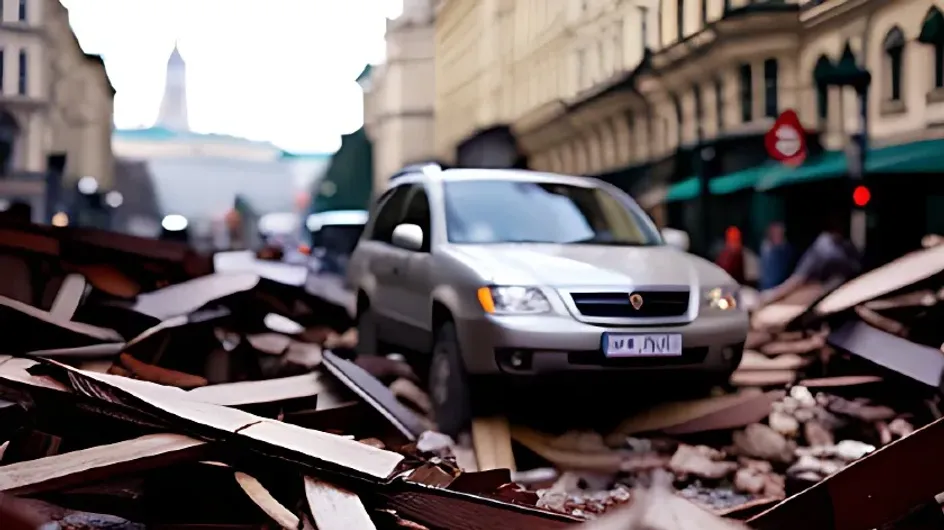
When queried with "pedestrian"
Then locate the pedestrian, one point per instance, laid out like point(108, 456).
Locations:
point(731, 257)
point(776, 257)
point(830, 260)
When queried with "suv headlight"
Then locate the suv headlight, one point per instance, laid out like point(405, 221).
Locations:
point(721, 298)
point(513, 300)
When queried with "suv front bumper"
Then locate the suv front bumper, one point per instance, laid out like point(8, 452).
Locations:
point(554, 343)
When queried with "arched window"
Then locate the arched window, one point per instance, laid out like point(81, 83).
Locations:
point(746, 90)
point(677, 108)
point(932, 33)
point(680, 19)
point(771, 82)
point(894, 45)
point(823, 67)
point(719, 103)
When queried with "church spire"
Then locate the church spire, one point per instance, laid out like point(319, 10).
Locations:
point(173, 112)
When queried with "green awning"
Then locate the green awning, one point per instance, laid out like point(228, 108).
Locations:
point(683, 190)
point(348, 181)
point(740, 180)
point(916, 157)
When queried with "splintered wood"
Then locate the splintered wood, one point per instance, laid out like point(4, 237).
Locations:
point(491, 438)
point(168, 396)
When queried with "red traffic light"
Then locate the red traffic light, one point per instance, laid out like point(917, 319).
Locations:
point(861, 196)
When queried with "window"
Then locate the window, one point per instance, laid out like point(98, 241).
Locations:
point(699, 111)
point(501, 211)
point(719, 104)
point(389, 213)
point(894, 51)
point(680, 19)
point(823, 67)
point(644, 26)
point(21, 13)
point(770, 88)
point(746, 92)
point(932, 33)
point(417, 213)
point(21, 86)
point(677, 109)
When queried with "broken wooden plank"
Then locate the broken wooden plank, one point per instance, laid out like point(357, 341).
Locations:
point(904, 271)
point(186, 297)
point(305, 445)
point(674, 414)
point(105, 461)
point(257, 392)
point(491, 438)
point(378, 396)
point(265, 501)
point(605, 460)
point(334, 508)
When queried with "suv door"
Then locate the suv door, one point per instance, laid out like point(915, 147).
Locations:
point(414, 273)
point(376, 260)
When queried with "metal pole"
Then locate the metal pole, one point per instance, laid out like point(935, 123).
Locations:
point(858, 222)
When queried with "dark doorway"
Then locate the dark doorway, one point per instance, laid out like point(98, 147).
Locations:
point(9, 134)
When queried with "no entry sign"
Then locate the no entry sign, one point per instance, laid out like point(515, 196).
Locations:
point(785, 141)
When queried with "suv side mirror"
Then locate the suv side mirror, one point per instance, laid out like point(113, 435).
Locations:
point(676, 238)
point(408, 236)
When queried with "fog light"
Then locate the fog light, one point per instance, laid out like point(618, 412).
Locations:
point(727, 353)
point(517, 359)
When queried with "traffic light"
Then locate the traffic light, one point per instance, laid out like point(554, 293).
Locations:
point(861, 196)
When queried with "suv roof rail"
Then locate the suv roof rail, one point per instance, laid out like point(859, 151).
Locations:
point(426, 168)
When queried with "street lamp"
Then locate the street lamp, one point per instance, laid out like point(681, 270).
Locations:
point(88, 185)
point(848, 73)
point(114, 199)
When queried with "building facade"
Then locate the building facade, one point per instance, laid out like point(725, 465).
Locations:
point(56, 106)
point(670, 100)
point(399, 94)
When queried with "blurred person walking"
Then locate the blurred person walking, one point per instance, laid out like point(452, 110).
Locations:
point(776, 257)
point(830, 260)
point(731, 257)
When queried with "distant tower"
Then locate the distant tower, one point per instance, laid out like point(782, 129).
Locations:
point(173, 113)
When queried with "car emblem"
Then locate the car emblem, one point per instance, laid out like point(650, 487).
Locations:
point(636, 300)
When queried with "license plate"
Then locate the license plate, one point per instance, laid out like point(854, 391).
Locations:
point(642, 345)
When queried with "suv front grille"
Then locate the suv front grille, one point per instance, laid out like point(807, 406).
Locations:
point(618, 305)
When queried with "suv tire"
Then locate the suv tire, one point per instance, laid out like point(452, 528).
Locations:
point(367, 342)
point(449, 385)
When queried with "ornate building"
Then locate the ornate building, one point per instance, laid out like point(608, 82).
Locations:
point(399, 94)
point(669, 99)
point(56, 106)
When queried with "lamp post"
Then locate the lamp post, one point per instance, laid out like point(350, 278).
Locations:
point(847, 73)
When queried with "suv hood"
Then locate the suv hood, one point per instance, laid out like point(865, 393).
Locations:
point(589, 265)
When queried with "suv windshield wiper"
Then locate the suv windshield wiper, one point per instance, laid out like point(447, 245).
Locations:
point(596, 240)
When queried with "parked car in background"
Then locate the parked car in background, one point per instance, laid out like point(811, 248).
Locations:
point(333, 238)
point(519, 274)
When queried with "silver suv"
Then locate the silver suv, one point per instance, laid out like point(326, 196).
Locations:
point(524, 273)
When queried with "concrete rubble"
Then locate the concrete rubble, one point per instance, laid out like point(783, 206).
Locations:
point(141, 389)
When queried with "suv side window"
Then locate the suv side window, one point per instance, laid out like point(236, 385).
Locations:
point(417, 213)
point(389, 214)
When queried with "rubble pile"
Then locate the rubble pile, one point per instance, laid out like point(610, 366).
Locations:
point(140, 389)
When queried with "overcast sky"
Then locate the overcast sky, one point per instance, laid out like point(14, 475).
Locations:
point(275, 70)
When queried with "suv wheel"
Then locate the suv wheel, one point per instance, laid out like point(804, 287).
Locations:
point(449, 383)
point(367, 343)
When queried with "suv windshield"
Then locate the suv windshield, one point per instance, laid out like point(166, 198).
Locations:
point(505, 211)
